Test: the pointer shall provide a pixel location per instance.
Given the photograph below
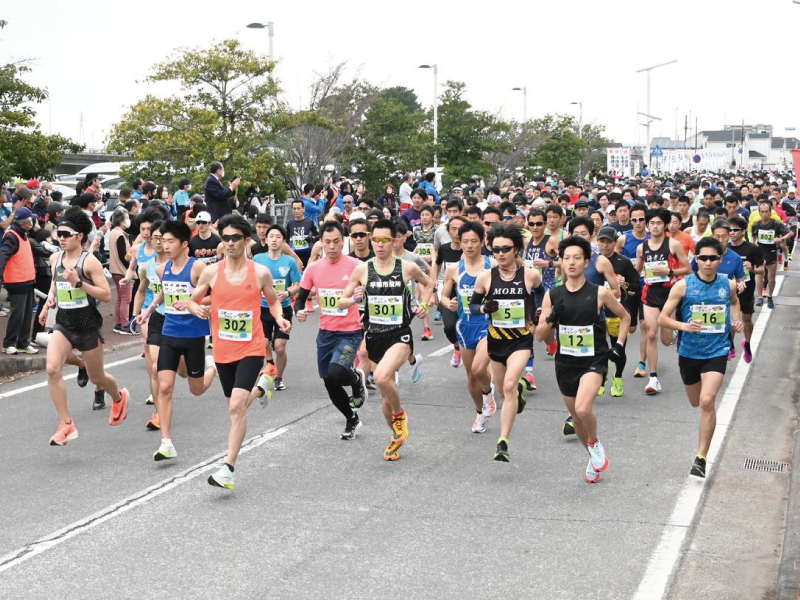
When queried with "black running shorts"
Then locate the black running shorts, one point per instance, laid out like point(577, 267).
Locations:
point(193, 350)
point(379, 343)
point(692, 368)
point(241, 374)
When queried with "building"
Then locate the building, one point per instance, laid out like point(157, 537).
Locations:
point(751, 146)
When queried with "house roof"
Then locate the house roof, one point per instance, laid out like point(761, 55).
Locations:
point(758, 136)
point(791, 143)
point(722, 136)
point(666, 143)
point(754, 154)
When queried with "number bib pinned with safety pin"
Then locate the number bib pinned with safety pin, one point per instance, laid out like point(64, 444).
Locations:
point(235, 325)
point(712, 317)
point(576, 340)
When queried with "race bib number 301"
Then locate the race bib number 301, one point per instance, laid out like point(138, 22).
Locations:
point(386, 310)
point(236, 325)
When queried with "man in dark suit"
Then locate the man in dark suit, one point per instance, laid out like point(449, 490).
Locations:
point(219, 199)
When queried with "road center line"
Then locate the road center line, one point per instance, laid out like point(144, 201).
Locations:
point(662, 562)
point(442, 351)
point(114, 510)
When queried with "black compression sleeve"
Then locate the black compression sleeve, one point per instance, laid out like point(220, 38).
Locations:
point(475, 303)
point(300, 300)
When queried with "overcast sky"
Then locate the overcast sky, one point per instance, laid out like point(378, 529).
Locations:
point(737, 59)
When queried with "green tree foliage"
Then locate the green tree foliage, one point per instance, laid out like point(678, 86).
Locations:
point(24, 150)
point(227, 110)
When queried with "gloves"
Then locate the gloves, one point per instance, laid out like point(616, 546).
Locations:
point(490, 306)
point(556, 314)
point(536, 315)
point(617, 352)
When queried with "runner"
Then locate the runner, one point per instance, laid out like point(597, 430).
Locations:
point(183, 334)
point(236, 286)
point(423, 236)
point(767, 233)
point(708, 308)
point(447, 255)
point(537, 257)
point(576, 310)
point(340, 329)
point(753, 259)
point(382, 281)
point(302, 232)
point(508, 291)
point(286, 281)
point(662, 260)
point(78, 284)
point(204, 246)
point(472, 329)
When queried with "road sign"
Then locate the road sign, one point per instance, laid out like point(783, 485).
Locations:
point(740, 151)
point(696, 158)
point(657, 151)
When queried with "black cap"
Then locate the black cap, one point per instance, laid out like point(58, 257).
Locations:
point(607, 233)
point(581, 204)
point(90, 177)
point(86, 199)
point(23, 193)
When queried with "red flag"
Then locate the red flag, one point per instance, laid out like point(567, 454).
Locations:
point(796, 161)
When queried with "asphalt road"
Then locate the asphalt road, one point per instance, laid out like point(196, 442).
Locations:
point(313, 515)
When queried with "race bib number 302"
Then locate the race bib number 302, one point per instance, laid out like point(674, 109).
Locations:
point(235, 325)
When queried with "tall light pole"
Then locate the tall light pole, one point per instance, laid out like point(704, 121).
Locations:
point(271, 27)
point(435, 68)
point(524, 91)
point(647, 70)
point(580, 117)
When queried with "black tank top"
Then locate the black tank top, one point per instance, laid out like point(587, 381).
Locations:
point(659, 256)
point(387, 300)
point(509, 321)
point(77, 310)
point(581, 332)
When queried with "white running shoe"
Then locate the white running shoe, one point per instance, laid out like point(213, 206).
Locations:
point(266, 384)
point(489, 405)
point(416, 369)
point(222, 478)
point(149, 400)
point(210, 364)
point(478, 426)
point(653, 386)
point(165, 451)
point(598, 455)
point(591, 475)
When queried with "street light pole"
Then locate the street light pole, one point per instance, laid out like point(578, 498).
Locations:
point(648, 69)
point(524, 91)
point(270, 27)
point(580, 117)
point(435, 68)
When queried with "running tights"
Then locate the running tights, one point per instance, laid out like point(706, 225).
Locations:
point(449, 320)
point(620, 366)
point(337, 378)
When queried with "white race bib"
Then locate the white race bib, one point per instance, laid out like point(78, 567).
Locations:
point(329, 302)
point(235, 325)
point(712, 317)
point(648, 271)
point(175, 291)
point(510, 314)
point(576, 340)
point(386, 310)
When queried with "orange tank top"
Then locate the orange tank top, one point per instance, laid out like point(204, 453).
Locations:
point(236, 317)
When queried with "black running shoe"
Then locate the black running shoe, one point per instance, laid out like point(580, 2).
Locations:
point(699, 467)
point(501, 454)
point(99, 400)
point(569, 427)
point(360, 392)
point(279, 385)
point(521, 401)
point(83, 377)
point(350, 429)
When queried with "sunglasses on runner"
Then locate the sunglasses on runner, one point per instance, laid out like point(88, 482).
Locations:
point(535, 223)
point(65, 234)
point(508, 217)
point(233, 237)
point(708, 257)
point(202, 222)
point(502, 249)
point(489, 223)
point(382, 240)
point(359, 234)
point(637, 220)
point(735, 229)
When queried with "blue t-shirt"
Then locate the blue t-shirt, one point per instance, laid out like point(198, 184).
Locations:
point(730, 265)
point(284, 273)
point(181, 198)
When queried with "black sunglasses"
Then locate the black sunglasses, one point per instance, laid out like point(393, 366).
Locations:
point(734, 229)
point(65, 234)
point(535, 223)
point(708, 257)
point(359, 234)
point(502, 249)
point(202, 222)
point(233, 237)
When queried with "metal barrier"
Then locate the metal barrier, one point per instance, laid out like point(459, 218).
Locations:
point(280, 213)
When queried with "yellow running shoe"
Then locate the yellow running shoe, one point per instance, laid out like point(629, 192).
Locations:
point(399, 436)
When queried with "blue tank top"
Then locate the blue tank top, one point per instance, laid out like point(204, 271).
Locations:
point(464, 288)
point(154, 287)
point(180, 323)
point(591, 274)
point(142, 257)
point(709, 303)
point(537, 251)
point(631, 244)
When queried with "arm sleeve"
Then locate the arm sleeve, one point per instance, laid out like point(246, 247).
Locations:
point(300, 300)
point(475, 303)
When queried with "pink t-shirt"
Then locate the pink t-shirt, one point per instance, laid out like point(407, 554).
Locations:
point(330, 281)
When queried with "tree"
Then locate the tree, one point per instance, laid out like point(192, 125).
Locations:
point(515, 148)
point(562, 149)
point(24, 150)
point(227, 111)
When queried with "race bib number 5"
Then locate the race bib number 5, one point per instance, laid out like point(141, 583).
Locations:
point(712, 317)
point(509, 315)
point(576, 340)
point(235, 325)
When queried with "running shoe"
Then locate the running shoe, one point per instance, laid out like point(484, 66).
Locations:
point(591, 475)
point(698, 468)
point(748, 356)
point(785, 265)
point(501, 454)
point(479, 422)
point(731, 354)
point(416, 369)
point(616, 387)
point(438, 316)
point(653, 386)
point(350, 429)
point(10, 350)
point(4, 312)
point(153, 423)
point(770, 304)
point(99, 400)
point(569, 426)
point(602, 389)
point(149, 400)
point(271, 369)
point(370, 382)
point(640, 370)
point(399, 436)
point(521, 401)
point(165, 451)
point(222, 478)
point(279, 385)
point(121, 330)
point(31, 350)
point(530, 382)
point(489, 405)
point(210, 364)
point(83, 377)
point(760, 301)
point(552, 348)
point(66, 432)
point(119, 410)
point(209, 342)
point(360, 391)
point(455, 362)
point(598, 456)
point(266, 384)
point(427, 334)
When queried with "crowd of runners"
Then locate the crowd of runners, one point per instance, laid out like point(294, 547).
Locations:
point(577, 267)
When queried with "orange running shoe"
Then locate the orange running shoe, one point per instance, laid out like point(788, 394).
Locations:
point(399, 436)
point(66, 432)
point(119, 410)
point(154, 424)
point(552, 348)
point(427, 334)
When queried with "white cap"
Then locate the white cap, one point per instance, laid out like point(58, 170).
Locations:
point(601, 183)
point(539, 203)
point(203, 216)
point(616, 190)
point(641, 193)
point(665, 195)
point(357, 214)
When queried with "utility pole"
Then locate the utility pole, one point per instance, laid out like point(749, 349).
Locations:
point(647, 70)
point(685, 129)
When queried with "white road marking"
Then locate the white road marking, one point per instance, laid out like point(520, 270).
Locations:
point(661, 565)
point(42, 384)
point(114, 510)
point(442, 351)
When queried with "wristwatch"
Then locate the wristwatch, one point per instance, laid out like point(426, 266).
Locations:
point(79, 284)
point(671, 272)
point(550, 263)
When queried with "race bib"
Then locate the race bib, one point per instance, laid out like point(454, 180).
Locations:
point(766, 236)
point(300, 242)
point(466, 295)
point(208, 260)
point(176, 291)
point(386, 310)
point(746, 275)
point(712, 317)
point(509, 315)
point(425, 250)
point(279, 285)
point(329, 302)
point(155, 286)
point(235, 325)
point(648, 271)
point(69, 297)
point(576, 340)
